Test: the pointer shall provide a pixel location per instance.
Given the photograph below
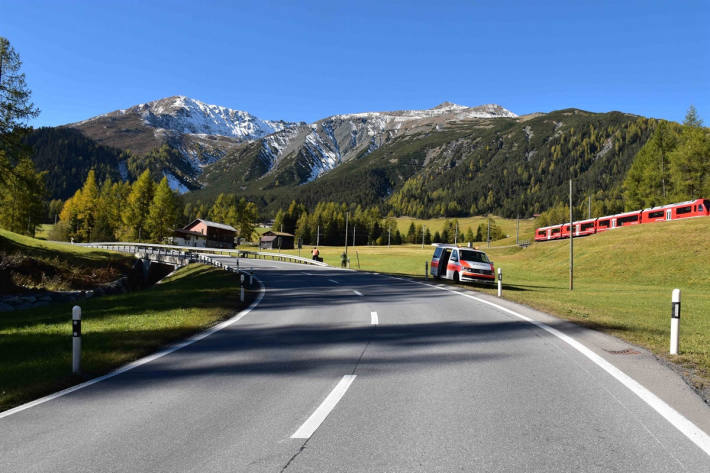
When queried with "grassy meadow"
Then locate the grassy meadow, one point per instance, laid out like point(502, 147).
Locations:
point(623, 282)
point(35, 344)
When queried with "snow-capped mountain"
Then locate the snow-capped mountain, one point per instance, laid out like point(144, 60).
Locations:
point(325, 144)
point(205, 134)
point(185, 115)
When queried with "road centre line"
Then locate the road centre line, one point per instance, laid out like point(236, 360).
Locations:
point(195, 338)
point(685, 426)
point(333, 281)
point(374, 320)
point(328, 404)
point(357, 292)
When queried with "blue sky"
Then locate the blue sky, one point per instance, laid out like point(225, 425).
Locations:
point(306, 60)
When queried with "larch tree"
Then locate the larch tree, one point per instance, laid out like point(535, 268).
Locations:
point(163, 212)
point(137, 207)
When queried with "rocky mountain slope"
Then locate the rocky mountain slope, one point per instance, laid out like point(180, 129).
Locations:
point(447, 160)
point(299, 152)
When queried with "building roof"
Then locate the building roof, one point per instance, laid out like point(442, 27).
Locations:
point(221, 226)
point(268, 238)
point(281, 234)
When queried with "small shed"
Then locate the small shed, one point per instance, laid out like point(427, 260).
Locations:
point(276, 240)
point(218, 235)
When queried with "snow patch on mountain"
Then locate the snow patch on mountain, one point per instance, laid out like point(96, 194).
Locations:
point(185, 115)
point(175, 183)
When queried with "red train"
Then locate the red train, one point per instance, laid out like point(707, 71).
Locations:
point(693, 208)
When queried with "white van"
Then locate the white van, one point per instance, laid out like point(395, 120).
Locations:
point(461, 264)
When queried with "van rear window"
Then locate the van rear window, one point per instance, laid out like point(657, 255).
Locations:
point(437, 252)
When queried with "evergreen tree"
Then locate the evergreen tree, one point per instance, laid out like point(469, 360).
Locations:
point(163, 212)
point(692, 119)
point(690, 164)
point(22, 199)
point(15, 109)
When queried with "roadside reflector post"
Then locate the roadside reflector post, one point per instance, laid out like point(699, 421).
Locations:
point(675, 320)
point(251, 278)
point(76, 339)
point(241, 297)
point(426, 270)
point(500, 282)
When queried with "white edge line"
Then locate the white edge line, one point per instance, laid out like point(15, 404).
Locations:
point(374, 320)
point(316, 419)
point(680, 422)
point(142, 361)
point(357, 292)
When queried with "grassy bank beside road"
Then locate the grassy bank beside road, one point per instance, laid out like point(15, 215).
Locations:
point(35, 345)
point(622, 286)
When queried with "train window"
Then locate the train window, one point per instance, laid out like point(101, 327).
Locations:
point(656, 214)
point(603, 223)
point(700, 207)
point(587, 226)
point(683, 210)
point(630, 218)
point(542, 233)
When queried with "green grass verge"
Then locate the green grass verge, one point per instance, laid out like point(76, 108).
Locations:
point(622, 286)
point(35, 345)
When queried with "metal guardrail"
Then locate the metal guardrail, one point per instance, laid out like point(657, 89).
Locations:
point(183, 251)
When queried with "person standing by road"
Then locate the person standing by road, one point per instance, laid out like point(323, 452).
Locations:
point(316, 254)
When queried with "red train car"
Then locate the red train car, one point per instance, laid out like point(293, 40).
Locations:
point(691, 208)
point(548, 233)
point(581, 228)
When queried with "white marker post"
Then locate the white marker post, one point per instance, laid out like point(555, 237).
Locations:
point(675, 320)
point(251, 278)
point(426, 270)
point(76, 339)
point(241, 297)
point(500, 282)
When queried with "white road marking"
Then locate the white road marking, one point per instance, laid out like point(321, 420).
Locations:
point(142, 361)
point(333, 281)
point(357, 292)
point(319, 415)
point(685, 426)
point(374, 320)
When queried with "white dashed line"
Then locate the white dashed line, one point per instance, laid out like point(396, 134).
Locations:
point(357, 292)
point(333, 281)
point(317, 418)
point(374, 320)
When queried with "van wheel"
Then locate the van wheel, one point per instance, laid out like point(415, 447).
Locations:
point(456, 276)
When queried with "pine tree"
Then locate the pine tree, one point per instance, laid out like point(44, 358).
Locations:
point(22, 198)
point(692, 119)
point(163, 212)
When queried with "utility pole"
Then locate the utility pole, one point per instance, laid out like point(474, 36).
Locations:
point(489, 232)
point(571, 240)
point(354, 226)
point(456, 233)
point(318, 237)
point(346, 234)
point(589, 208)
point(388, 236)
point(423, 228)
point(517, 229)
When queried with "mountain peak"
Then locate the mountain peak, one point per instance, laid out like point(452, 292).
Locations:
point(447, 105)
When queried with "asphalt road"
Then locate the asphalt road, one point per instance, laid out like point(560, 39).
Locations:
point(337, 371)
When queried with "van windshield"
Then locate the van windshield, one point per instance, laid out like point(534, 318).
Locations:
point(475, 256)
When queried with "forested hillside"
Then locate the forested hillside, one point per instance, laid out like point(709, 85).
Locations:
point(506, 166)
